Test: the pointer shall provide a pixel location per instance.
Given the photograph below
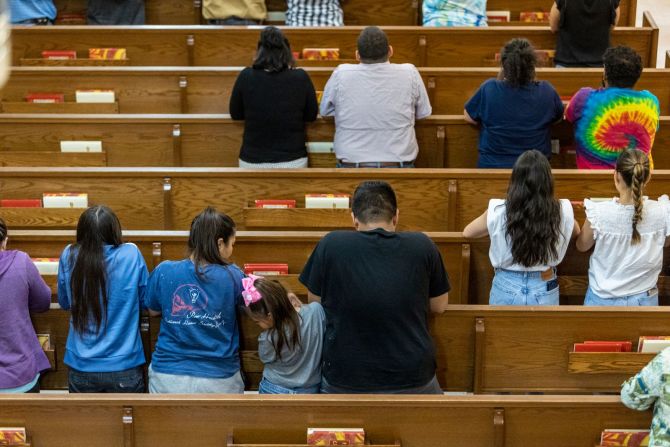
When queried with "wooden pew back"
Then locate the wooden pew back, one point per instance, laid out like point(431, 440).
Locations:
point(445, 141)
point(207, 90)
point(419, 421)
point(235, 46)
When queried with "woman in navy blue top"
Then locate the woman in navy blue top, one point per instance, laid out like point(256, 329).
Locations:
point(515, 112)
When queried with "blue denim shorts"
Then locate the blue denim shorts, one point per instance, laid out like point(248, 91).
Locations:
point(648, 298)
point(267, 387)
point(512, 288)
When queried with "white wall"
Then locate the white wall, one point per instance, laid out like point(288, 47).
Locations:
point(660, 10)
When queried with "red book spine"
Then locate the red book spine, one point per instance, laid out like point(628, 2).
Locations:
point(59, 54)
point(45, 97)
point(626, 346)
point(275, 203)
point(582, 347)
point(21, 203)
point(266, 269)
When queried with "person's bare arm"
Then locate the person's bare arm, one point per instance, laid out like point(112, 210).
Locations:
point(575, 230)
point(554, 18)
point(585, 240)
point(477, 228)
point(313, 298)
point(467, 117)
point(616, 17)
point(438, 304)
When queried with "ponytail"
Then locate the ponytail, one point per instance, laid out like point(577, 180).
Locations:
point(98, 226)
point(518, 62)
point(633, 167)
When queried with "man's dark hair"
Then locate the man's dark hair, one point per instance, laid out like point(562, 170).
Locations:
point(373, 46)
point(374, 201)
point(623, 67)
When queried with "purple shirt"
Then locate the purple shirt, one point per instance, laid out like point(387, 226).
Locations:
point(22, 291)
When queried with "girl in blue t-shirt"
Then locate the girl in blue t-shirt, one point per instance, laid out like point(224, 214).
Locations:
point(292, 339)
point(101, 281)
point(198, 342)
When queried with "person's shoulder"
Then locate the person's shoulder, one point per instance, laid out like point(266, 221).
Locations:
point(339, 235)
point(416, 239)
point(235, 270)
point(313, 310)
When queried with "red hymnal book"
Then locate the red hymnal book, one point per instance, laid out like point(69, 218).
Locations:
point(50, 98)
point(59, 54)
point(21, 203)
point(596, 347)
point(626, 346)
point(266, 269)
point(275, 203)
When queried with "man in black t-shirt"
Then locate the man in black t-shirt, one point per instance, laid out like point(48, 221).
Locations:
point(583, 28)
point(377, 288)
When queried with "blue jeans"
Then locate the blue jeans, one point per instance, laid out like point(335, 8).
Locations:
point(127, 381)
point(267, 387)
point(523, 289)
point(648, 298)
point(432, 387)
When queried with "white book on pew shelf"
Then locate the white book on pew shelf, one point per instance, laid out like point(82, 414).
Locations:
point(326, 201)
point(46, 266)
point(95, 96)
point(81, 146)
point(654, 346)
point(65, 200)
point(320, 147)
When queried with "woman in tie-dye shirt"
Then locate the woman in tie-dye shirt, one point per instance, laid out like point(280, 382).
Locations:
point(454, 12)
point(612, 119)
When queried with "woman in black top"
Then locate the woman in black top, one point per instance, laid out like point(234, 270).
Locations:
point(275, 100)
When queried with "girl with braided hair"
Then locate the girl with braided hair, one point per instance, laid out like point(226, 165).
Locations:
point(629, 233)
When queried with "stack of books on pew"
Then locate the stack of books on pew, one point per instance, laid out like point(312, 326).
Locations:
point(46, 266)
point(498, 16)
point(653, 343)
point(335, 436)
point(321, 54)
point(534, 17)
point(275, 269)
point(13, 436)
point(624, 438)
point(314, 201)
point(49, 200)
point(64, 57)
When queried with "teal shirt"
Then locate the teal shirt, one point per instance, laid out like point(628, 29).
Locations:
point(651, 386)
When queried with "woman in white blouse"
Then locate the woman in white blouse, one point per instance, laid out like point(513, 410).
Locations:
point(629, 233)
point(530, 232)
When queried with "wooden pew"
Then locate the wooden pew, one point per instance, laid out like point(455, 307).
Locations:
point(479, 349)
point(356, 12)
point(292, 248)
point(235, 46)
point(207, 90)
point(416, 421)
point(214, 141)
point(167, 199)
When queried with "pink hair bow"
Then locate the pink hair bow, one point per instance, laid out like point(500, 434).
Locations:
point(250, 293)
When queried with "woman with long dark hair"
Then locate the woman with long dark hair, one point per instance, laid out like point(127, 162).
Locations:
point(629, 233)
point(530, 231)
point(23, 292)
point(515, 111)
point(275, 100)
point(101, 281)
point(198, 343)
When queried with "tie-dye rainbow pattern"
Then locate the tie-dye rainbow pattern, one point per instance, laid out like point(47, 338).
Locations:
point(609, 121)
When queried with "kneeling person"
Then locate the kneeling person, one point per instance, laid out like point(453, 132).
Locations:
point(377, 287)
